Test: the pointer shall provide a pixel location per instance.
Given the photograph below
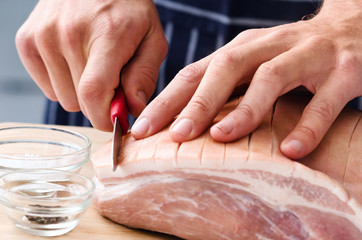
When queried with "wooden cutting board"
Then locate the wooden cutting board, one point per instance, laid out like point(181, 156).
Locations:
point(92, 225)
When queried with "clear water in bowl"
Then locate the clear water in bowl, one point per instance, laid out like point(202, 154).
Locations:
point(37, 155)
point(47, 190)
point(37, 148)
point(34, 147)
point(46, 206)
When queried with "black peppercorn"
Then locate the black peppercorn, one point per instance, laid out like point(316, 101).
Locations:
point(45, 220)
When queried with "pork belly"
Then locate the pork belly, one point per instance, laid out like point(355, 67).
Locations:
point(246, 189)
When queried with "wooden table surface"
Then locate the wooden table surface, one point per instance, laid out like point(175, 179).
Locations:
point(92, 225)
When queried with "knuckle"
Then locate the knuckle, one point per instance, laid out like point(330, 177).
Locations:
point(200, 104)
point(160, 103)
point(246, 110)
point(22, 35)
point(322, 110)
point(42, 37)
point(111, 25)
point(71, 33)
point(91, 89)
point(349, 62)
point(270, 75)
point(248, 35)
point(190, 73)
point(163, 46)
point(270, 70)
point(159, 38)
point(148, 74)
point(320, 43)
point(282, 34)
point(24, 42)
point(223, 60)
point(110, 28)
point(309, 132)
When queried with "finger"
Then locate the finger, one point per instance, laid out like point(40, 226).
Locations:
point(101, 77)
point(58, 71)
point(179, 91)
point(72, 50)
point(272, 79)
point(139, 76)
point(169, 102)
point(33, 62)
point(317, 118)
point(226, 71)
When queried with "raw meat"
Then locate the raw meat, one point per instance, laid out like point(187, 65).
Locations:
point(245, 189)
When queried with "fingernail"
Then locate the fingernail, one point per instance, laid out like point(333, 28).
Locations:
point(141, 126)
point(295, 144)
point(226, 125)
point(142, 96)
point(183, 127)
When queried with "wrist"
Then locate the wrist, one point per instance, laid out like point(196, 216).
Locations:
point(341, 6)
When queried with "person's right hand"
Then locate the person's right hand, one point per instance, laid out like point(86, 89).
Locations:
point(322, 55)
point(75, 51)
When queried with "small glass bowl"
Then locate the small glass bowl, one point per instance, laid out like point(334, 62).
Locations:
point(37, 147)
point(45, 202)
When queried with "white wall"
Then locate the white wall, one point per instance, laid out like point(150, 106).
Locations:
point(20, 98)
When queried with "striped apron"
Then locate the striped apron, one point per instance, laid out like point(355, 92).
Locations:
point(196, 28)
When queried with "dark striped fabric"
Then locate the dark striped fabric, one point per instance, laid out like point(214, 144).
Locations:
point(196, 28)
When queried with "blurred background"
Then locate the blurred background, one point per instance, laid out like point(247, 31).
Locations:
point(20, 98)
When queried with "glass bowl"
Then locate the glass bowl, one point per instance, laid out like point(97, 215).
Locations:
point(45, 202)
point(37, 147)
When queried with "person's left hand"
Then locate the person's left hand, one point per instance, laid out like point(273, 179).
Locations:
point(323, 54)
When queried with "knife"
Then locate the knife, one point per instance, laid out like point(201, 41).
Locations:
point(119, 117)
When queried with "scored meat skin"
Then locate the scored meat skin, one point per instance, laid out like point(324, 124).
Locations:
point(245, 189)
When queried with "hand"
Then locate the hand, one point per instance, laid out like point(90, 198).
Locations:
point(323, 54)
point(75, 50)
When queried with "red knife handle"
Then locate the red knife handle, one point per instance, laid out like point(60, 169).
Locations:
point(119, 110)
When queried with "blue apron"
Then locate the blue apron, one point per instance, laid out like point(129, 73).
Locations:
point(196, 28)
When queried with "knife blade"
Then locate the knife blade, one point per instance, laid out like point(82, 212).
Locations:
point(119, 117)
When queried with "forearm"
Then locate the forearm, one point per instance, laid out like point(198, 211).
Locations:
point(339, 8)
